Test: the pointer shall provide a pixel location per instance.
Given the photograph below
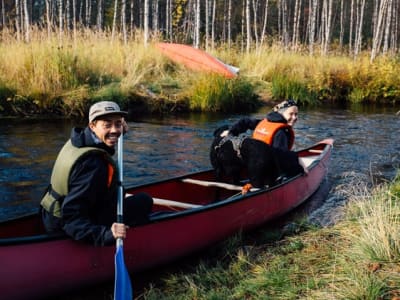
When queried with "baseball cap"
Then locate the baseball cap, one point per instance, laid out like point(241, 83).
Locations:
point(104, 108)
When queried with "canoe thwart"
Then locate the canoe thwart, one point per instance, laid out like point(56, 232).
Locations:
point(166, 202)
point(227, 186)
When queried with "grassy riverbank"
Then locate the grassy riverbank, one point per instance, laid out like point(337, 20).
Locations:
point(49, 76)
point(358, 258)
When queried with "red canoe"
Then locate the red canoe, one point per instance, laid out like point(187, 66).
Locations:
point(190, 213)
point(196, 59)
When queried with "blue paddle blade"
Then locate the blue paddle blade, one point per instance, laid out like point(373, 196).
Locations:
point(122, 286)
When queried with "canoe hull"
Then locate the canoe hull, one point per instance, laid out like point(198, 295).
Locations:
point(62, 264)
point(195, 59)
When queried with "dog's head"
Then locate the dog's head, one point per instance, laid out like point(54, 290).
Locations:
point(215, 147)
point(223, 157)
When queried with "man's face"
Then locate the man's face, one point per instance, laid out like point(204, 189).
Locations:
point(108, 129)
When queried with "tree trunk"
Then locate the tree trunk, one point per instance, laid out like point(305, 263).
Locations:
point(255, 22)
point(341, 34)
point(26, 21)
point(229, 23)
point(264, 28)
point(99, 18)
point(213, 25)
point(154, 13)
point(146, 22)
point(197, 26)
point(376, 42)
point(207, 25)
point(123, 21)
point(114, 24)
point(296, 24)
point(351, 27)
point(248, 29)
point(60, 21)
point(387, 28)
point(17, 20)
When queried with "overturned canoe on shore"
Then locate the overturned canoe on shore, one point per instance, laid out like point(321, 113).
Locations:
point(190, 212)
point(196, 59)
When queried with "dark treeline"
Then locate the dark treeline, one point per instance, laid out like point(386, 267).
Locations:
point(316, 26)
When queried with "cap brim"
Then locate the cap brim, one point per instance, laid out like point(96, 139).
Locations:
point(119, 113)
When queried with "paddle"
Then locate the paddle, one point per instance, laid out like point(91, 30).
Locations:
point(122, 285)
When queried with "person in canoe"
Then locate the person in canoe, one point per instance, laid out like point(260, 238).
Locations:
point(275, 130)
point(81, 199)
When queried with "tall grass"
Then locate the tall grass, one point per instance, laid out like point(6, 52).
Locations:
point(216, 93)
point(79, 71)
point(67, 73)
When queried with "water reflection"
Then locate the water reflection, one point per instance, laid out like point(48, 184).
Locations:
point(366, 141)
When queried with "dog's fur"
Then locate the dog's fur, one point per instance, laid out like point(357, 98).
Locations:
point(263, 163)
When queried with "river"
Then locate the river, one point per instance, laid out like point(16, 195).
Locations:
point(366, 149)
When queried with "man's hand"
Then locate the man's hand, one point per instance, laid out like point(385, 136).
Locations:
point(119, 230)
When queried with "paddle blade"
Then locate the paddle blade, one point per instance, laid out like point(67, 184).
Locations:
point(122, 286)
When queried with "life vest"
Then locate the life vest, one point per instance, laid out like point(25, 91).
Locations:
point(266, 130)
point(66, 160)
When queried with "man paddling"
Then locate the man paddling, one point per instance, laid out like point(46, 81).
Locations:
point(81, 199)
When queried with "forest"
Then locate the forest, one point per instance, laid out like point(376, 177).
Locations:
point(320, 27)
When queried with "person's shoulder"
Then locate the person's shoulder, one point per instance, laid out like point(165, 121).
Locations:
point(275, 117)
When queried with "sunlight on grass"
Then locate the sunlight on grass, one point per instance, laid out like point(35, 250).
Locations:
point(50, 69)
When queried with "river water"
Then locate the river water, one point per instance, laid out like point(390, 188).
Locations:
point(366, 149)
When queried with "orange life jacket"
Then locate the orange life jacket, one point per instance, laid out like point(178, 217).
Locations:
point(266, 130)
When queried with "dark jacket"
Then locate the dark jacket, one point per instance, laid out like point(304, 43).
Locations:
point(282, 137)
point(89, 208)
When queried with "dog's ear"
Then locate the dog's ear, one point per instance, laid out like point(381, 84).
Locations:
point(219, 130)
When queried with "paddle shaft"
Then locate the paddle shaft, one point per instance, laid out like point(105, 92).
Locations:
point(120, 204)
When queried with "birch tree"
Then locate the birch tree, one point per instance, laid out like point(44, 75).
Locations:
point(123, 21)
point(60, 21)
point(26, 21)
point(296, 24)
point(229, 23)
point(341, 33)
point(255, 4)
point(313, 4)
point(387, 28)
point(146, 22)
point(114, 24)
point(197, 26)
point(327, 17)
point(359, 25)
point(154, 13)
point(248, 28)
point(265, 19)
point(213, 24)
point(207, 24)
point(377, 39)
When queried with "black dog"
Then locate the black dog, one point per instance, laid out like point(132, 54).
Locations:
point(264, 164)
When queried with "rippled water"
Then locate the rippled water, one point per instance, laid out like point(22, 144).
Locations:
point(366, 143)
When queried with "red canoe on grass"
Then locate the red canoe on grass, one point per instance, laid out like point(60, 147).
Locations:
point(190, 212)
point(196, 59)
